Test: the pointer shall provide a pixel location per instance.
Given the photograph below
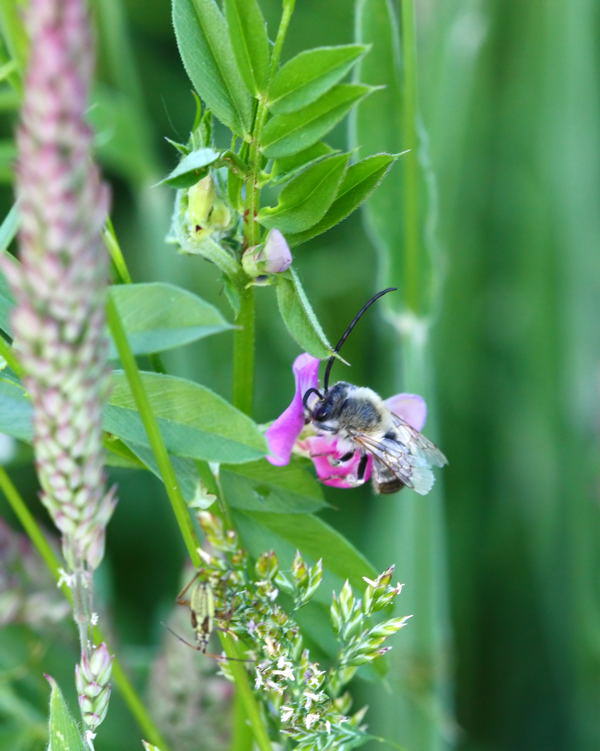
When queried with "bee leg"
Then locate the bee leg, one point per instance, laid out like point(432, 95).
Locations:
point(362, 466)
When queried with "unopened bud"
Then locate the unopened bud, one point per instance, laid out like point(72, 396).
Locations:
point(201, 198)
point(273, 257)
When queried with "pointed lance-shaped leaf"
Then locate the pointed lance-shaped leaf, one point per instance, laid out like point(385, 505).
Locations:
point(358, 183)
point(305, 200)
point(299, 317)
point(287, 134)
point(309, 75)
point(207, 55)
point(249, 40)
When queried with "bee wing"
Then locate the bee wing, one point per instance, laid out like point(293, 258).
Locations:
point(407, 457)
point(417, 444)
point(392, 460)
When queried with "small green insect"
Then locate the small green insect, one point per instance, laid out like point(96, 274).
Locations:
point(204, 615)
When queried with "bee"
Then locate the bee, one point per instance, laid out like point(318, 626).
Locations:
point(361, 422)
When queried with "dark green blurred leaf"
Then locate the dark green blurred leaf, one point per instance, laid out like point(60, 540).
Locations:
point(118, 141)
point(357, 185)
point(299, 317)
point(207, 55)
point(262, 487)
point(63, 732)
point(304, 200)
point(185, 470)
point(15, 410)
point(248, 33)
point(287, 134)
point(159, 316)
point(310, 74)
point(194, 421)
point(191, 168)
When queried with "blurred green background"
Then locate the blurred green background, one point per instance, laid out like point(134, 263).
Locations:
point(509, 99)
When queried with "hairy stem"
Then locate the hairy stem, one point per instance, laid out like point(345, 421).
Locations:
point(243, 341)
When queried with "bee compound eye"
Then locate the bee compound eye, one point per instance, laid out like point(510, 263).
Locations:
point(322, 413)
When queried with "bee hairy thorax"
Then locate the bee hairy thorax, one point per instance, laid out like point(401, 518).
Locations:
point(353, 408)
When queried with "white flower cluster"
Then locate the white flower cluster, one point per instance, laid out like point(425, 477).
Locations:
point(256, 604)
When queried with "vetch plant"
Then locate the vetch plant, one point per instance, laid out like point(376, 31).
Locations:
point(255, 180)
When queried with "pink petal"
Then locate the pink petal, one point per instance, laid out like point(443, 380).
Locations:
point(325, 456)
point(282, 434)
point(410, 407)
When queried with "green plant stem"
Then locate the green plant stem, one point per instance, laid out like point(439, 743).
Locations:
point(245, 694)
point(179, 507)
point(413, 283)
point(157, 444)
point(114, 250)
point(243, 340)
point(243, 353)
point(35, 534)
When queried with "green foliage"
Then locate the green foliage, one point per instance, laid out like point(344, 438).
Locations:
point(16, 414)
point(359, 181)
point(159, 316)
point(209, 60)
point(195, 422)
point(309, 75)
point(63, 733)
point(305, 199)
point(249, 41)
point(288, 134)
point(260, 486)
point(191, 168)
point(299, 316)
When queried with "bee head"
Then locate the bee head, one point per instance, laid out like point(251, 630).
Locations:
point(325, 409)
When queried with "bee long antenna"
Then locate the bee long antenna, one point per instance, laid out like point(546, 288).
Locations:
point(348, 330)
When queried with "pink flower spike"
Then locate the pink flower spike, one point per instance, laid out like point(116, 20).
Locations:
point(283, 433)
point(410, 407)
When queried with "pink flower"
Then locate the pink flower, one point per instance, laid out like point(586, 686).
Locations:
point(285, 433)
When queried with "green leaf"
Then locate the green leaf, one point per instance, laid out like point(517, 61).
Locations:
point(207, 55)
point(286, 533)
point(287, 134)
point(299, 317)
point(305, 200)
point(8, 231)
point(262, 487)
point(158, 316)
point(15, 410)
point(249, 40)
point(358, 183)
point(186, 470)
point(191, 168)
point(288, 166)
point(310, 74)
point(194, 421)
point(63, 734)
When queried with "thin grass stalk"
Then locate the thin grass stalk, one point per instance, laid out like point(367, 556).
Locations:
point(180, 509)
